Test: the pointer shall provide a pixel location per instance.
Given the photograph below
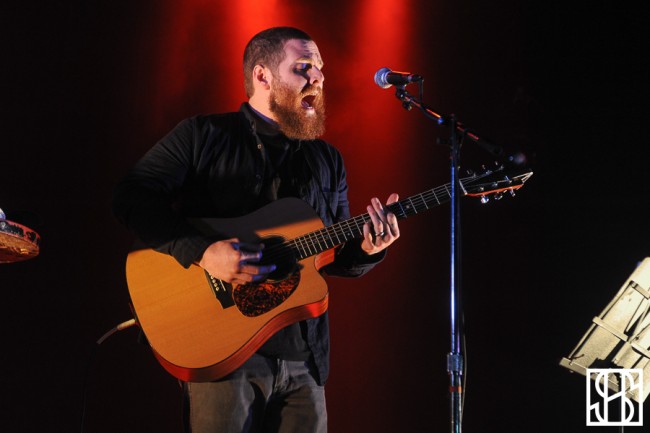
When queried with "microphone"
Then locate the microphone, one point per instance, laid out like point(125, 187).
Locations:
point(385, 78)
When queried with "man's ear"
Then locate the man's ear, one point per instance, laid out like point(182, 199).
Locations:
point(262, 77)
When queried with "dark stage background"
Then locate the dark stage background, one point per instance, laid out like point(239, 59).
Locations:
point(89, 86)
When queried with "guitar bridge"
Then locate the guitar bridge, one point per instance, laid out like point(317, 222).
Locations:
point(222, 291)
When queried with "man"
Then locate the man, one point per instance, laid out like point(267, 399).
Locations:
point(229, 165)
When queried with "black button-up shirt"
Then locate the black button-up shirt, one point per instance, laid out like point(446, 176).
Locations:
point(216, 166)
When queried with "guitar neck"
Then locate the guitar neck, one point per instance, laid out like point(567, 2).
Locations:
point(337, 234)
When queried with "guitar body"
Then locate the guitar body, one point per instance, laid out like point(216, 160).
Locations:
point(201, 329)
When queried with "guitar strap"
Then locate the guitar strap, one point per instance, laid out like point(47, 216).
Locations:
point(253, 119)
point(316, 171)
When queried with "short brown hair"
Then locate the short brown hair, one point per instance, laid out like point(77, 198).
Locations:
point(267, 48)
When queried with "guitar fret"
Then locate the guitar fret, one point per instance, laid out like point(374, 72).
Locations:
point(342, 227)
point(429, 198)
point(305, 245)
point(345, 235)
point(305, 241)
point(329, 237)
point(435, 196)
point(310, 244)
point(313, 242)
point(356, 224)
point(337, 236)
point(402, 210)
point(351, 229)
point(408, 209)
point(321, 240)
point(424, 202)
point(316, 243)
point(417, 205)
point(326, 236)
point(302, 247)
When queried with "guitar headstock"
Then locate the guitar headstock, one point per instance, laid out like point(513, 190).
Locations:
point(495, 182)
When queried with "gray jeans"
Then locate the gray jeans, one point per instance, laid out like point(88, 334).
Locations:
point(263, 396)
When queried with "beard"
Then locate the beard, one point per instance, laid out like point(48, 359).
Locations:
point(292, 114)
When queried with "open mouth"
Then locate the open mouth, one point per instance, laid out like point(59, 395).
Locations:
point(308, 102)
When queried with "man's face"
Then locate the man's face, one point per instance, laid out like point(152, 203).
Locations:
point(296, 97)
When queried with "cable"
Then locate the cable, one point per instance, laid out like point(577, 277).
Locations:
point(122, 326)
point(91, 357)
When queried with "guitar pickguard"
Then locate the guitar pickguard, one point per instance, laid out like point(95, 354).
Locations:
point(256, 299)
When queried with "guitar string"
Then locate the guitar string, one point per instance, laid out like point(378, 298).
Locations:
point(320, 240)
point(312, 243)
point(323, 239)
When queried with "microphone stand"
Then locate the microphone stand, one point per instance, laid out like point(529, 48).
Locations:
point(455, 359)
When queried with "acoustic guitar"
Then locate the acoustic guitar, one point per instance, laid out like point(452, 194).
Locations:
point(201, 328)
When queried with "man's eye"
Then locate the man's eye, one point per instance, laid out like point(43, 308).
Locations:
point(302, 67)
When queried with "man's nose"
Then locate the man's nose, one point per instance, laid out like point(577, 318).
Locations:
point(316, 76)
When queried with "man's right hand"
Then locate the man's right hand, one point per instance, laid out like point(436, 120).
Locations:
point(235, 262)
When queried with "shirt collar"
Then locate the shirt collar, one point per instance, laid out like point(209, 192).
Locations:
point(261, 123)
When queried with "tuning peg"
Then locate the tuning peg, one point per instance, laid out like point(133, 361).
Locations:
point(485, 199)
point(512, 193)
point(498, 196)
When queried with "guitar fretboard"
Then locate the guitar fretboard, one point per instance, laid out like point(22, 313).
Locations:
point(316, 242)
point(329, 237)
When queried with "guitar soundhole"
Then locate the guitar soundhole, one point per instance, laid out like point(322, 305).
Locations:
point(277, 252)
point(256, 299)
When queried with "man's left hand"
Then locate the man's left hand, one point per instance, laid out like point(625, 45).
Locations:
point(382, 229)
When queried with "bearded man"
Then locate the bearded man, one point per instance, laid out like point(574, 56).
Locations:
point(227, 166)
